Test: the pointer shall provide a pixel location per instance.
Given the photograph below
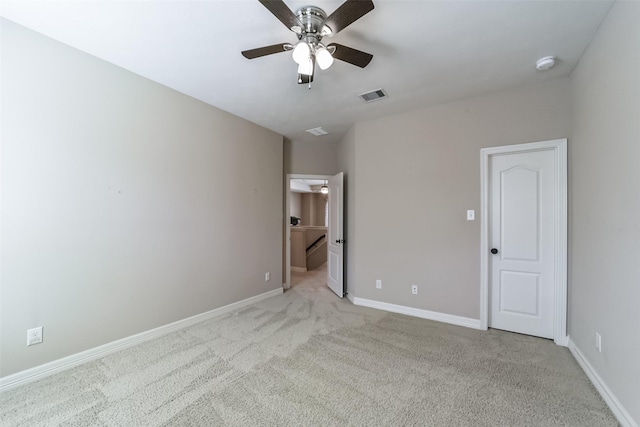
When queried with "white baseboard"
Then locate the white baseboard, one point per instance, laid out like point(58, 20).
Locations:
point(417, 312)
point(299, 269)
point(350, 298)
point(562, 341)
point(624, 418)
point(42, 371)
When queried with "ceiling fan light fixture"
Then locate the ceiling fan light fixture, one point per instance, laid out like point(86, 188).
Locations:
point(306, 67)
point(324, 58)
point(301, 52)
point(311, 24)
point(326, 31)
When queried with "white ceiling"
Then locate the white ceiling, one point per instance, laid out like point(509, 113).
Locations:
point(425, 52)
point(306, 185)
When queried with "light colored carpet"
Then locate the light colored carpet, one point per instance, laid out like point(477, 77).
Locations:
point(309, 358)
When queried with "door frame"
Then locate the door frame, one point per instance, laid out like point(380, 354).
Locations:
point(559, 148)
point(287, 221)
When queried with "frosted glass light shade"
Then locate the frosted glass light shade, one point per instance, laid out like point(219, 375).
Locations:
point(301, 52)
point(324, 58)
point(306, 67)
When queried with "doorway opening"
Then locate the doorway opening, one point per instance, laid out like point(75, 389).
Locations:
point(308, 231)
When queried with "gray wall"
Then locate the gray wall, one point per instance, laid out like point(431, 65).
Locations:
point(311, 158)
point(125, 205)
point(416, 175)
point(605, 204)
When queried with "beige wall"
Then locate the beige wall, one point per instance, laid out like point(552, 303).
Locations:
point(311, 158)
point(125, 205)
point(313, 209)
point(298, 247)
point(296, 204)
point(417, 174)
point(605, 204)
point(321, 210)
point(306, 208)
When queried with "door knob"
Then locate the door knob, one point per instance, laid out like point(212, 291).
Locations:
point(494, 251)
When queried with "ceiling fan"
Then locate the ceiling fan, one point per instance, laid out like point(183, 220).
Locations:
point(311, 24)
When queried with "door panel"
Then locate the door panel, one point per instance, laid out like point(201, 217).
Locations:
point(335, 244)
point(333, 267)
point(522, 228)
point(520, 205)
point(520, 292)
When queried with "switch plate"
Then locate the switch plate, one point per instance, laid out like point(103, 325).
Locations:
point(378, 284)
point(267, 276)
point(471, 215)
point(599, 342)
point(34, 336)
point(414, 289)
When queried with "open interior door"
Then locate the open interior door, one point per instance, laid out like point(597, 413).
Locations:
point(335, 257)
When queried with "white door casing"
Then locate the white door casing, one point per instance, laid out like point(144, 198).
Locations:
point(335, 256)
point(523, 285)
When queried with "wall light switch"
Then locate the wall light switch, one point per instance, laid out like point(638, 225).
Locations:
point(267, 277)
point(471, 215)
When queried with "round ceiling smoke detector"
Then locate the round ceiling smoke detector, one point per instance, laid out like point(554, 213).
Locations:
point(545, 63)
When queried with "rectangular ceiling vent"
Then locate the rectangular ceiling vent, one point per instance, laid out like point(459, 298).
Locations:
point(317, 131)
point(374, 95)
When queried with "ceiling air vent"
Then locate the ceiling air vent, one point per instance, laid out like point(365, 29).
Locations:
point(317, 131)
point(374, 95)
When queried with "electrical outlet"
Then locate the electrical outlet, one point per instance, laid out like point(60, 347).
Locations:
point(378, 284)
point(34, 336)
point(599, 342)
point(471, 215)
point(267, 276)
point(414, 289)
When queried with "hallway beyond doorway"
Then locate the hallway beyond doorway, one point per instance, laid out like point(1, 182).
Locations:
point(311, 279)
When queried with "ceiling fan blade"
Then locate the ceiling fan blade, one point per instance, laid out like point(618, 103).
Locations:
point(351, 55)
point(266, 50)
point(349, 12)
point(282, 12)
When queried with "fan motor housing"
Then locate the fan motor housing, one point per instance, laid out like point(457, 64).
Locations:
point(312, 19)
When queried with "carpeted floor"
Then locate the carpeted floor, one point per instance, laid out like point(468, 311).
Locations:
point(309, 358)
